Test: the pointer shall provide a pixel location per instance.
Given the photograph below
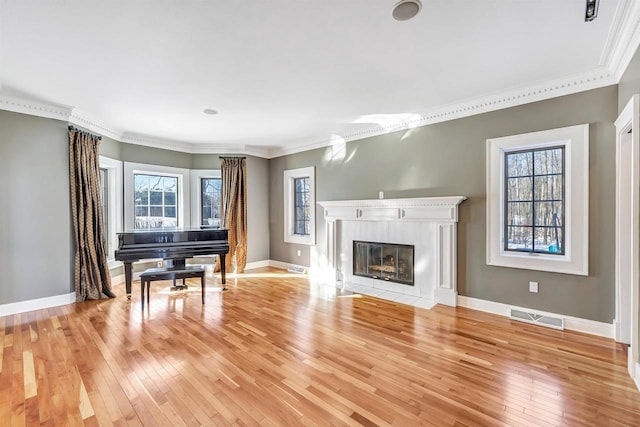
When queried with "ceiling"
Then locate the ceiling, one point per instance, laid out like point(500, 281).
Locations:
point(290, 75)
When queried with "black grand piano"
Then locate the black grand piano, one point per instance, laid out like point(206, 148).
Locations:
point(171, 244)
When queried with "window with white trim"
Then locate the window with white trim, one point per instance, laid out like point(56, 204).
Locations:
point(111, 181)
point(206, 198)
point(211, 196)
point(538, 200)
point(299, 206)
point(156, 197)
point(104, 200)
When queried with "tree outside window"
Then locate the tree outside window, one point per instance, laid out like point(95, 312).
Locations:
point(534, 205)
point(302, 215)
point(211, 201)
point(155, 201)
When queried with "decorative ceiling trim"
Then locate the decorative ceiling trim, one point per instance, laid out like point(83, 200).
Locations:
point(594, 79)
point(79, 118)
point(624, 38)
point(621, 45)
point(35, 108)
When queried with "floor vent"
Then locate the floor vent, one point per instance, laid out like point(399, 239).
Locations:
point(537, 319)
point(296, 269)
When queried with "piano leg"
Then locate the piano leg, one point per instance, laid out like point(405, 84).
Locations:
point(127, 278)
point(223, 271)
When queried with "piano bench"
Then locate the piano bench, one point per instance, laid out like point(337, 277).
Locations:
point(152, 274)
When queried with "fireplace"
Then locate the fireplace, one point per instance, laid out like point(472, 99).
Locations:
point(383, 261)
point(427, 225)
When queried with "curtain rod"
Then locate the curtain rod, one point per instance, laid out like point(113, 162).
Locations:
point(223, 157)
point(75, 129)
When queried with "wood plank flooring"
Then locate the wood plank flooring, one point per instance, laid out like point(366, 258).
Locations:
point(273, 351)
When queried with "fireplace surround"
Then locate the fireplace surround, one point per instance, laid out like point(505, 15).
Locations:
point(427, 223)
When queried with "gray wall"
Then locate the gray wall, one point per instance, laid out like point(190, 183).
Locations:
point(257, 202)
point(36, 240)
point(448, 159)
point(36, 258)
point(257, 184)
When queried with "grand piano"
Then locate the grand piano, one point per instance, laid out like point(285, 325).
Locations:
point(171, 244)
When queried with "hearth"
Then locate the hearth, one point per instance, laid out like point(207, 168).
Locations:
point(384, 261)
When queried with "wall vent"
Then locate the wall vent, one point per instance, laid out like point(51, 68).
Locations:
point(537, 319)
point(296, 269)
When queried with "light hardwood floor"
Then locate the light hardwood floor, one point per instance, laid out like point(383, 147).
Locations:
point(273, 351)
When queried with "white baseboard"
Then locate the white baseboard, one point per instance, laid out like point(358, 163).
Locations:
point(257, 264)
point(572, 323)
point(37, 304)
point(286, 265)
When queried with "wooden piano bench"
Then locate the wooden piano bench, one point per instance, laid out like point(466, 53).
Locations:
point(152, 274)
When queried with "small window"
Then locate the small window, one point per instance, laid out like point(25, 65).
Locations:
point(299, 206)
point(538, 200)
point(104, 199)
point(211, 196)
point(302, 215)
point(155, 201)
point(534, 205)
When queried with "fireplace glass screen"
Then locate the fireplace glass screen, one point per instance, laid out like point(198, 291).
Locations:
point(383, 261)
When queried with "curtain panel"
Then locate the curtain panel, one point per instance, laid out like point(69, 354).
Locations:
point(91, 271)
point(234, 211)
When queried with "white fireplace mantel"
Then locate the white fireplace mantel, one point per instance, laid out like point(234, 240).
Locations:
point(427, 222)
point(409, 209)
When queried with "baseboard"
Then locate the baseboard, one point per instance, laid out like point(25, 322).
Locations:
point(257, 264)
point(287, 266)
point(572, 323)
point(37, 304)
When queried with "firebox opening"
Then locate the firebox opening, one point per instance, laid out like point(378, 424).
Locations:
point(384, 261)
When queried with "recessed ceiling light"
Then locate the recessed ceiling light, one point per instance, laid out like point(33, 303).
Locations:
point(210, 111)
point(406, 9)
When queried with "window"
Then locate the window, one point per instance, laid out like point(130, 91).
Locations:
point(104, 199)
point(211, 196)
point(206, 197)
point(538, 200)
point(155, 201)
point(302, 214)
point(111, 182)
point(155, 197)
point(299, 206)
point(534, 205)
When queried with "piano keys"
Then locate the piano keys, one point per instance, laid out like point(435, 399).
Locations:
point(171, 244)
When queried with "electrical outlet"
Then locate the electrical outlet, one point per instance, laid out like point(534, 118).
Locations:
point(299, 252)
point(533, 287)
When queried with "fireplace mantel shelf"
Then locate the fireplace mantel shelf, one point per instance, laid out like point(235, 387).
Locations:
point(410, 209)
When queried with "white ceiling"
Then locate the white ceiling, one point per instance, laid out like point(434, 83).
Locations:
point(289, 75)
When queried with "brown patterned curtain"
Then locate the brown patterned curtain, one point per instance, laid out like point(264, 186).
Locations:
point(92, 280)
point(234, 211)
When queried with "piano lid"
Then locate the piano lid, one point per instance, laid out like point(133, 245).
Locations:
point(171, 229)
point(170, 235)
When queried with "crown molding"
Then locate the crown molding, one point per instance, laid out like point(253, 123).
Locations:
point(624, 38)
point(35, 108)
point(80, 118)
point(593, 79)
point(621, 45)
